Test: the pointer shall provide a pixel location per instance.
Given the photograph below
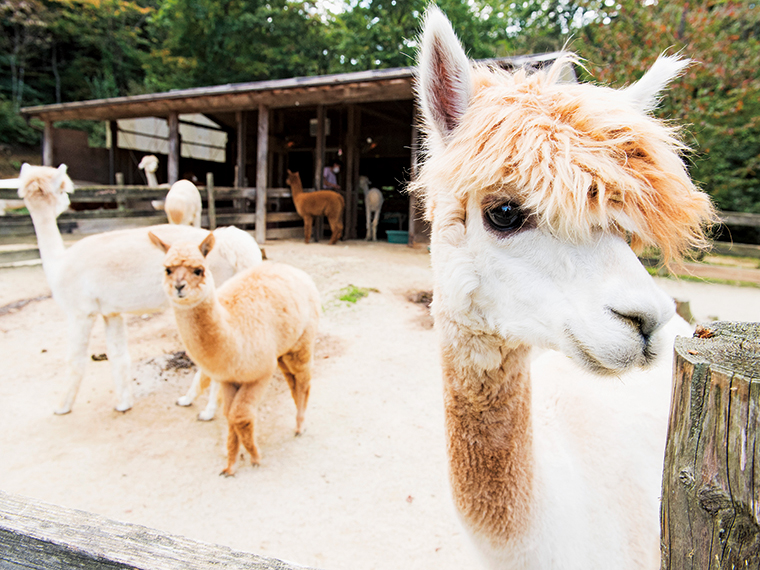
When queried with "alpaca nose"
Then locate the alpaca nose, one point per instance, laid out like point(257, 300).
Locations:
point(641, 322)
point(179, 287)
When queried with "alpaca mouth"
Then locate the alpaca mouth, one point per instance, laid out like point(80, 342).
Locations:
point(615, 361)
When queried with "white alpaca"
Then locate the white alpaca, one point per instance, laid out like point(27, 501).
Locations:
point(109, 274)
point(149, 164)
point(183, 204)
point(373, 203)
point(261, 319)
point(532, 186)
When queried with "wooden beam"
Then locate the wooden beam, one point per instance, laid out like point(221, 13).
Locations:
point(319, 153)
point(48, 154)
point(37, 535)
point(113, 142)
point(174, 148)
point(240, 119)
point(262, 154)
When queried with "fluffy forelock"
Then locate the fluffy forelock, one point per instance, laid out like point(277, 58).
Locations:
point(40, 180)
point(578, 156)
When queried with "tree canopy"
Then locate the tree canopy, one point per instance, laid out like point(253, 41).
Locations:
point(70, 50)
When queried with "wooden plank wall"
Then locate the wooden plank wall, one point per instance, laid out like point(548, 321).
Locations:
point(37, 535)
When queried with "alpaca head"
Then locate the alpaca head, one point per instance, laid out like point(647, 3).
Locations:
point(149, 163)
point(293, 178)
point(44, 187)
point(364, 183)
point(534, 186)
point(187, 278)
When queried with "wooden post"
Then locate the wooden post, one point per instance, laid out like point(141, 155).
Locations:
point(710, 512)
point(414, 165)
point(48, 154)
point(240, 119)
point(174, 148)
point(113, 142)
point(262, 152)
point(352, 171)
point(210, 201)
point(319, 163)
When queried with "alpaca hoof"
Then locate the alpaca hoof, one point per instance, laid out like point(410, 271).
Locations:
point(62, 411)
point(184, 401)
point(227, 472)
point(206, 416)
point(123, 407)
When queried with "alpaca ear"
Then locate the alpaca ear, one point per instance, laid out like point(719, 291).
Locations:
point(645, 93)
point(62, 168)
point(207, 244)
point(158, 242)
point(443, 84)
point(25, 168)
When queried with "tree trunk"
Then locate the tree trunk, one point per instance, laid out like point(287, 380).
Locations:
point(710, 509)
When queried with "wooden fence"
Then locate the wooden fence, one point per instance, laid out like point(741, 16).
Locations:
point(37, 535)
point(102, 208)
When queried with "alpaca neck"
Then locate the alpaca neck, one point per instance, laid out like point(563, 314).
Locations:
point(49, 240)
point(489, 434)
point(151, 176)
point(204, 329)
point(296, 191)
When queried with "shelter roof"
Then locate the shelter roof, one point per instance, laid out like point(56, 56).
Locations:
point(356, 87)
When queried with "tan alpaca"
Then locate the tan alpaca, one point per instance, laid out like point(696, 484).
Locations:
point(536, 189)
point(319, 203)
point(239, 334)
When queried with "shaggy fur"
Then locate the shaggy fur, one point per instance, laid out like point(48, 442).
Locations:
point(261, 319)
point(319, 203)
point(534, 189)
point(110, 273)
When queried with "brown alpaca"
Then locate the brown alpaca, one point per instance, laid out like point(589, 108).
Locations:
point(240, 334)
point(319, 203)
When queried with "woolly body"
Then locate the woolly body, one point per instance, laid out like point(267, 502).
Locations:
point(531, 186)
point(183, 204)
point(110, 273)
point(239, 334)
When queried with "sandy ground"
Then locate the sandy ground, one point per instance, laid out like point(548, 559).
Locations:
point(363, 488)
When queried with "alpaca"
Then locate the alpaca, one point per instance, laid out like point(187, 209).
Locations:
point(533, 188)
point(109, 274)
point(183, 204)
point(260, 319)
point(149, 164)
point(373, 203)
point(319, 203)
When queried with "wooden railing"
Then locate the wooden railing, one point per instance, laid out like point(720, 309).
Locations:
point(101, 208)
point(37, 535)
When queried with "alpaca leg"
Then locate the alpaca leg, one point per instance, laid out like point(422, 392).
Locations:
point(242, 415)
point(214, 394)
point(375, 221)
point(229, 391)
point(118, 356)
point(79, 338)
point(336, 227)
point(193, 392)
point(296, 367)
point(369, 220)
point(307, 228)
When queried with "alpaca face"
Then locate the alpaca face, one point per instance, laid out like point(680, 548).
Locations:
point(187, 280)
point(44, 187)
point(531, 186)
point(293, 178)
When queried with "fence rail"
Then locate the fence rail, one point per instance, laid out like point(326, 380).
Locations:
point(37, 535)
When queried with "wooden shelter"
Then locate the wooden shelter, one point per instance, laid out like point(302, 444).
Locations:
point(365, 119)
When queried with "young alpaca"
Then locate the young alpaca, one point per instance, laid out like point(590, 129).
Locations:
point(261, 319)
point(110, 273)
point(183, 204)
point(373, 203)
point(532, 186)
point(319, 203)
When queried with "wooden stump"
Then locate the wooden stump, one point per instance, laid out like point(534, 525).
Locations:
point(710, 512)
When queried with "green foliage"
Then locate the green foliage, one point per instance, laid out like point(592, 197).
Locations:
point(13, 129)
point(718, 98)
point(352, 293)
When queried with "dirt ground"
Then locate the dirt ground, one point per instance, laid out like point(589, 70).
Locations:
point(365, 486)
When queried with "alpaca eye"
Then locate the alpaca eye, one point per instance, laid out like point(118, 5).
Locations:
point(168, 271)
point(198, 272)
point(506, 217)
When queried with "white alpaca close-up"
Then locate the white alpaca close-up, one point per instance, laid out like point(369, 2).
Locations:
point(261, 319)
point(183, 204)
point(373, 204)
point(110, 274)
point(556, 344)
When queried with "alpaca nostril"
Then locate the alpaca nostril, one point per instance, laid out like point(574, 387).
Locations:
point(179, 287)
point(641, 323)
